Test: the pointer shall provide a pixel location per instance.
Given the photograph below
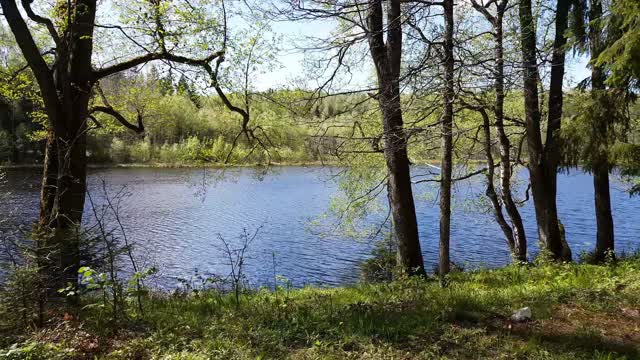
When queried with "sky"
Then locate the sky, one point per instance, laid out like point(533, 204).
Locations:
point(292, 59)
point(292, 67)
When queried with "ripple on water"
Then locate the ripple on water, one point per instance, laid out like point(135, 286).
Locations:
point(175, 217)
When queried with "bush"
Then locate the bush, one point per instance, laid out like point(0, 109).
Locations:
point(380, 267)
point(19, 300)
point(119, 152)
point(191, 149)
point(141, 151)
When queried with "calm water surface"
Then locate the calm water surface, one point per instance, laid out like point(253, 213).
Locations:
point(176, 216)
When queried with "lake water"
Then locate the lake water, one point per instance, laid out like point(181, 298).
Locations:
point(176, 216)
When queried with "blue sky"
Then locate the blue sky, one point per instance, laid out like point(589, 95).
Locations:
point(292, 59)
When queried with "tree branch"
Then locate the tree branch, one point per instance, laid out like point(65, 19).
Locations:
point(121, 119)
point(32, 55)
point(26, 4)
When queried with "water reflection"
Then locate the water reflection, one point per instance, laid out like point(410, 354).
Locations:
point(176, 217)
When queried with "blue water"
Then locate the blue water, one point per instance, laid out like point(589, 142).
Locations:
point(175, 217)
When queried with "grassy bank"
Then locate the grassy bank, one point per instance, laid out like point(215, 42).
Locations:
point(579, 312)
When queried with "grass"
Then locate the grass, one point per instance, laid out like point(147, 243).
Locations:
point(579, 312)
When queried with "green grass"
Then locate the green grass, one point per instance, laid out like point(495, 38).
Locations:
point(579, 312)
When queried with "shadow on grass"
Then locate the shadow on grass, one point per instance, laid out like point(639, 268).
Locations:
point(586, 342)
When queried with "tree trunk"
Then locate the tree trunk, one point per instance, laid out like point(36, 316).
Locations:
point(62, 200)
point(559, 248)
point(67, 91)
point(519, 250)
point(387, 59)
point(447, 142)
point(543, 159)
point(516, 237)
point(491, 190)
point(49, 181)
point(403, 213)
point(604, 219)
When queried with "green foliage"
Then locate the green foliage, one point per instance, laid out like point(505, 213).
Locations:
point(407, 318)
point(359, 197)
point(20, 293)
point(182, 130)
point(381, 266)
point(623, 56)
point(34, 350)
point(598, 127)
point(627, 157)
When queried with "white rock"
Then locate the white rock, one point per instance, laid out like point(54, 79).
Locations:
point(523, 314)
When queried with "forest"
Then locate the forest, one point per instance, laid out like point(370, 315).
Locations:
point(483, 161)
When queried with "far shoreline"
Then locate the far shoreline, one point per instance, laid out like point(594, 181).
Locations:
point(154, 165)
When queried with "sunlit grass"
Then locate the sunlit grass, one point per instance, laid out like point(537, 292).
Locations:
point(577, 314)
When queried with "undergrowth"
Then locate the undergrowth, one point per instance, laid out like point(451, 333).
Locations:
point(580, 311)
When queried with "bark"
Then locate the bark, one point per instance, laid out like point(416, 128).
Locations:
point(491, 189)
point(604, 219)
point(516, 237)
point(387, 58)
point(447, 142)
point(66, 91)
point(543, 159)
point(519, 250)
point(560, 248)
point(73, 82)
point(601, 167)
point(49, 179)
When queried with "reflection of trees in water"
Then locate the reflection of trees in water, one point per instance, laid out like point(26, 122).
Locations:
point(201, 180)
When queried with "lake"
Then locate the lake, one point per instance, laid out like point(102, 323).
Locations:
point(175, 216)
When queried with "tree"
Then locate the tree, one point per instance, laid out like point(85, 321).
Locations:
point(600, 164)
point(387, 58)
point(515, 234)
point(66, 86)
point(184, 88)
point(376, 28)
point(593, 134)
point(20, 103)
point(447, 140)
point(543, 157)
point(622, 56)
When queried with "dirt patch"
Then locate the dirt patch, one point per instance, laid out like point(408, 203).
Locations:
point(621, 327)
point(575, 327)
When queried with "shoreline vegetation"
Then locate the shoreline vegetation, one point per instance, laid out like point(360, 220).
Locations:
point(579, 311)
point(209, 165)
point(381, 88)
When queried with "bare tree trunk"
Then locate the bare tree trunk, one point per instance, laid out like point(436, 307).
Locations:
point(491, 189)
point(604, 219)
point(387, 59)
point(558, 246)
point(49, 180)
point(543, 159)
point(519, 251)
point(516, 237)
point(447, 142)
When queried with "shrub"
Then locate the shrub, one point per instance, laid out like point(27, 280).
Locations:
point(119, 150)
point(141, 151)
point(191, 149)
point(380, 267)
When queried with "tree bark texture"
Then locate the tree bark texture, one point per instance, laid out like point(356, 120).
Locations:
point(387, 59)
